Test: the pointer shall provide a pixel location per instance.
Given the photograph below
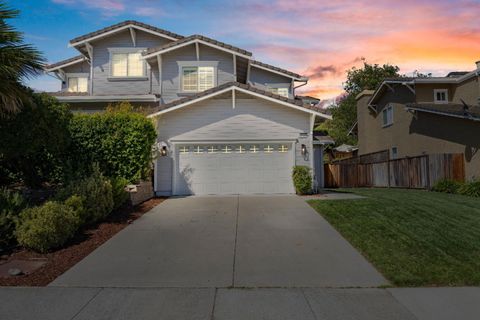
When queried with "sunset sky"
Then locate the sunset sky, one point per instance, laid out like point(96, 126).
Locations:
point(319, 39)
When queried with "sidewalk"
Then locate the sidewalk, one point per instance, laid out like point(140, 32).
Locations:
point(222, 303)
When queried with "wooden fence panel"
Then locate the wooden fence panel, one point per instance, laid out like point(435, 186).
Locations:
point(415, 172)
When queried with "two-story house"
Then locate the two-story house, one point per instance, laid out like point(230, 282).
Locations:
point(227, 124)
point(415, 116)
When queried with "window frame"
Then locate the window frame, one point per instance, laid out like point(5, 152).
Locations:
point(388, 123)
point(77, 75)
point(392, 155)
point(196, 64)
point(127, 51)
point(436, 91)
point(274, 87)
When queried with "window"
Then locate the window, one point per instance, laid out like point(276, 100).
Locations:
point(184, 150)
point(280, 91)
point(227, 149)
point(394, 153)
point(198, 150)
point(254, 149)
point(77, 84)
point(268, 149)
point(127, 65)
point(212, 149)
point(440, 95)
point(387, 116)
point(240, 149)
point(283, 148)
point(197, 78)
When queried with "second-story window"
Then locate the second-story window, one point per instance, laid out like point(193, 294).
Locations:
point(387, 114)
point(197, 78)
point(280, 91)
point(440, 95)
point(127, 65)
point(77, 84)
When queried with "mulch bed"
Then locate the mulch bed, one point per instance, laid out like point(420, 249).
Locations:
point(78, 248)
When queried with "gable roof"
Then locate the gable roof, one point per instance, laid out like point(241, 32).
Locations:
point(455, 110)
point(64, 63)
point(281, 71)
point(199, 39)
point(124, 25)
point(294, 103)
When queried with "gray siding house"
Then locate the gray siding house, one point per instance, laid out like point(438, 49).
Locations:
point(227, 124)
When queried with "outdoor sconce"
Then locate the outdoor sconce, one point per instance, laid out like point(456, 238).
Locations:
point(304, 149)
point(163, 148)
point(163, 151)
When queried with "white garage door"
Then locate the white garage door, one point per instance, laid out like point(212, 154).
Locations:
point(234, 169)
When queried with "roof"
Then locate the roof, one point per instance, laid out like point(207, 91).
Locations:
point(68, 61)
point(193, 38)
point(345, 148)
point(85, 97)
point(273, 68)
point(224, 87)
point(322, 138)
point(456, 74)
point(456, 110)
point(124, 24)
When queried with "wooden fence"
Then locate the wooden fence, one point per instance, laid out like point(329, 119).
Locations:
point(413, 172)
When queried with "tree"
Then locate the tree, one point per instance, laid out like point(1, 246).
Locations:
point(18, 62)
point(344, 113)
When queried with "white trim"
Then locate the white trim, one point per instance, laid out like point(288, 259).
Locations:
point(325, 116)
point(233, 98)
point(193, 41)
point(120, 29)
point(134, 36)
point(435, 91)
point(197, 51)
point(442, 113)
point(388, 124)
point(159, 61)
point(81, 59)
point(235, 67)
point(131, 98)
point(278, 72)
point(248, 71)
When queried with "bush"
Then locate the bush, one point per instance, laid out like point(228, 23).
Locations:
point(302, 179)
point(95, 192)
point(120, 141)
point(11, 204)
point(446, 186)
point(120, 196)
point(471, 188)
point(47, 227)
point(35, 142)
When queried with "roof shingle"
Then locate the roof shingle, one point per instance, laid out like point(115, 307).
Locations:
point(122, 24)
point(197, 37)
point(269, 66)
point(60, 63)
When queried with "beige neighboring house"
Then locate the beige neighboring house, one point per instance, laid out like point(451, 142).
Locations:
point(415, 116)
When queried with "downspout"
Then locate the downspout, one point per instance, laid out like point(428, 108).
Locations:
point(305, 83)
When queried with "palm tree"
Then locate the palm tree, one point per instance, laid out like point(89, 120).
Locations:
point(18, 62)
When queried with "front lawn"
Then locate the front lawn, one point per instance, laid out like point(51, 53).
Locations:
point(414, 237)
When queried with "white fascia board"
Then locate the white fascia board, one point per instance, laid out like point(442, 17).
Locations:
point(120, 29)
point(107, 98)
point(278, 72)
point(261, 96)
point(193, 41)
point(66, 64)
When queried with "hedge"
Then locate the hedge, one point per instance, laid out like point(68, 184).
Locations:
point(302, 179)
point(120, 142)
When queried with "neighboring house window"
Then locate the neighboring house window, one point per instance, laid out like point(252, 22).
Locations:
point(394, 153)
point(387, 116)
point(197, 78)
point(440, 95)
point(77, 84)
point(127, 65)
point(280, 91)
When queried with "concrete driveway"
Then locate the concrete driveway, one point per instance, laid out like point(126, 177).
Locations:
point(224, 242)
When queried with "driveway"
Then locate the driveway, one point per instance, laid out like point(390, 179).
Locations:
point(225, 242)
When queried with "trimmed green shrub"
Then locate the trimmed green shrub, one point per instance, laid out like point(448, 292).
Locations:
point(120, 196)
point(120, 141)
point(471, 188)
point(35, 143)
point(11, 204)
point(302, 179)
point(447, 186)
point(96, 194)
point(47, 227)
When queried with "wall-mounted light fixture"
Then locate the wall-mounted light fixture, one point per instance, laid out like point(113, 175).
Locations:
point(162, 148)
point(163, 151)
point(304, 149)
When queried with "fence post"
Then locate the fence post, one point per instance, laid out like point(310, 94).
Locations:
point(388, 171)
point(428, 172)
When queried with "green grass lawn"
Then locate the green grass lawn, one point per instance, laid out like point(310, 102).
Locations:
point(415, 238)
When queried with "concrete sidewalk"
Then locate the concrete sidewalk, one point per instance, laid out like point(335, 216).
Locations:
point(51, 303)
